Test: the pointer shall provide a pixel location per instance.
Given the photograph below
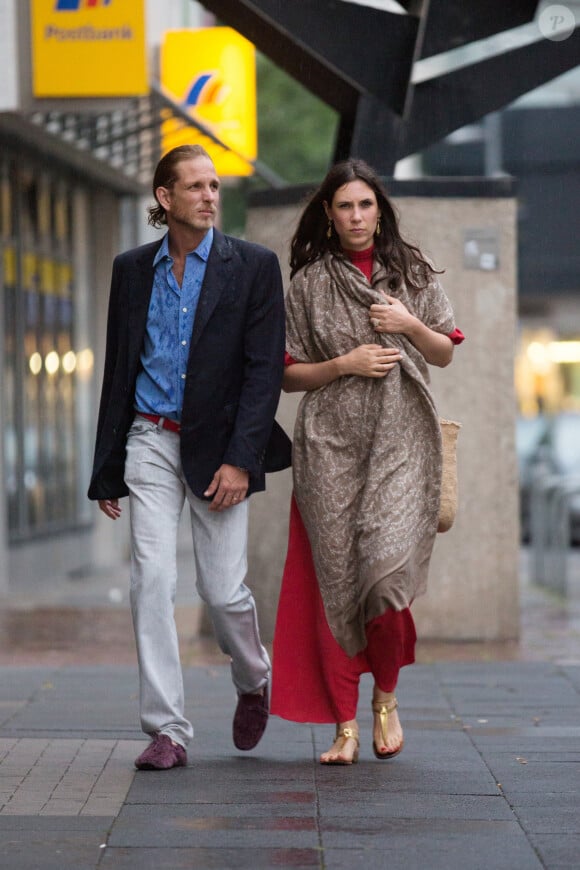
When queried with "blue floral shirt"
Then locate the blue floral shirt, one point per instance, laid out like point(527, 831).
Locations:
point(161, 381)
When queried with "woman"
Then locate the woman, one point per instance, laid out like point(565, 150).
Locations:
point(365, 315)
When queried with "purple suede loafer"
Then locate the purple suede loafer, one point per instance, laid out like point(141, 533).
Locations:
point(250, 719)
point(161, 754)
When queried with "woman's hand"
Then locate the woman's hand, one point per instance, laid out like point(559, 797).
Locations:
point(391, 317)
point(394, 317)
point(366, 361)
point(370, 361)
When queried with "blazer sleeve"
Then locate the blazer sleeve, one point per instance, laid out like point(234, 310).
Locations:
point(107, 480)
point(111, 349)
point(264, 343)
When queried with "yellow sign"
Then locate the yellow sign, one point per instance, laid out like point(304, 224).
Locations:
point(211, 73)
point(88, 48)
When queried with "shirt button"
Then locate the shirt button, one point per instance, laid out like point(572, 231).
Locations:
point(184, 310)
point(182, 377)
point(184, 343)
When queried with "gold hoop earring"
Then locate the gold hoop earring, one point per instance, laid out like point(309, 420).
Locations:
point(378, 227)
point(329, 229)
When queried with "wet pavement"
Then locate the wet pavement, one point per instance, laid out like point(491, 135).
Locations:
point(88, 622)
point(489, 776)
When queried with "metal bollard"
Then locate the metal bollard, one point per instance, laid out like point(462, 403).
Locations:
point(569, 488)
point(542, 489)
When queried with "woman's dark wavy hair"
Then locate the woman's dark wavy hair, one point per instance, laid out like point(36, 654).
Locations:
point(165, 176)
point(404, 262)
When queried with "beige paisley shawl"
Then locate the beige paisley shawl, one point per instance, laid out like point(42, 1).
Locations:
point(367, 452)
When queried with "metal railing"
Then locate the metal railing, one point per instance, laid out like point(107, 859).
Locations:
point(128, 139)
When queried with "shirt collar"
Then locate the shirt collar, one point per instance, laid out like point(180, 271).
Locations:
point(163, 250)
point(202, 250)
point(204, 246)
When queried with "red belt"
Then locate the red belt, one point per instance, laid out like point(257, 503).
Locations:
point(165, 422)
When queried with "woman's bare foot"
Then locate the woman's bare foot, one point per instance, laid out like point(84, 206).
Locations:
point(345, 748)
point(387, 731)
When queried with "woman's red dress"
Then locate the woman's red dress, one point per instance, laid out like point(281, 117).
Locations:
point(313, 679)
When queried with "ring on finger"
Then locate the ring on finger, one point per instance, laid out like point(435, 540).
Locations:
point(375, 322)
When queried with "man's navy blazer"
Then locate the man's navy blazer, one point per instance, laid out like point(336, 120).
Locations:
point(234, 371)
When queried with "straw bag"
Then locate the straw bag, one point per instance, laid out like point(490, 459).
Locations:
point(448, 506)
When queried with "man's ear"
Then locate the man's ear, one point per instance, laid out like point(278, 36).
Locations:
point(163, 198)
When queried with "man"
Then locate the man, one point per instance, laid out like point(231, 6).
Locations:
point(193, 369)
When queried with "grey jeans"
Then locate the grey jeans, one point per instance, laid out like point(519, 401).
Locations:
point(157, 494)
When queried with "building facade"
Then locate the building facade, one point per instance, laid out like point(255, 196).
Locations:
point(73, 176)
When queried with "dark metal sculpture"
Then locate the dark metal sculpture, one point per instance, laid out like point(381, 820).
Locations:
point(360, 60)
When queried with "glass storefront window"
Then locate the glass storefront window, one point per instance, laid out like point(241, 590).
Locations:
point(39, 371)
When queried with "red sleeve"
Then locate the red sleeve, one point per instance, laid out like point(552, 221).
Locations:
point(456, 337)
point(288, 361)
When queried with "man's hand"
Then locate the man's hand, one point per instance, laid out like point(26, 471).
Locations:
point(110, 507)
point(228, 487)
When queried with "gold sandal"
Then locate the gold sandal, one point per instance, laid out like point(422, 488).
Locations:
point(383, 708)
point(346, 734)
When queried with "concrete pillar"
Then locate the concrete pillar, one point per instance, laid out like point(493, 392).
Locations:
point(468, 227)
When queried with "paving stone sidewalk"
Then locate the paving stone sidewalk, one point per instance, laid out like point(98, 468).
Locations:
point(489, 777)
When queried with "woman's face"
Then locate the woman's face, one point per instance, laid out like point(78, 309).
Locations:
point(354, 212)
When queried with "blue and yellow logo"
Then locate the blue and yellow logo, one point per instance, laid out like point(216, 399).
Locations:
point(208, 88)
point(76, 5)
point(211, 73)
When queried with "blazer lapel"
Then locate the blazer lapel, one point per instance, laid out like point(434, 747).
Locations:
point(218, 276)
